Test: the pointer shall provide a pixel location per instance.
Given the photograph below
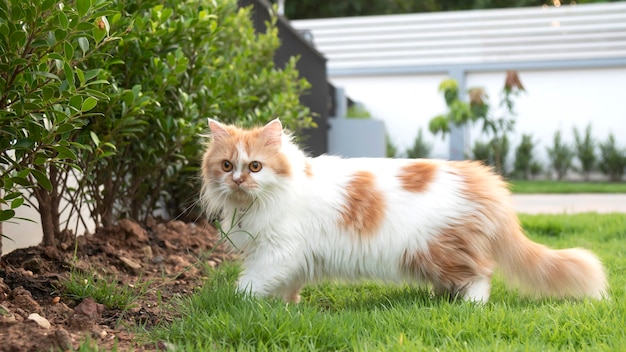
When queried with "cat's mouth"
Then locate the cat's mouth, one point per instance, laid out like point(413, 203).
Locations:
point(241, 193)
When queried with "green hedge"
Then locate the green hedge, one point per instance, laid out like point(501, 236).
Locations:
point(116, 94)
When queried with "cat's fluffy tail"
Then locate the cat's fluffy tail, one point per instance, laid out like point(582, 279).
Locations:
point(541, 271)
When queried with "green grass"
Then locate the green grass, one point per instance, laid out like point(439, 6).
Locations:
point(528, 187)
point(371, 317)
point(103, 289)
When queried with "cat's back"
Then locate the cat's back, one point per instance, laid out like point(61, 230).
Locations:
point(404, 182)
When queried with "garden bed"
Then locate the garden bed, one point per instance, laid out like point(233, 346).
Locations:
point(154, 263)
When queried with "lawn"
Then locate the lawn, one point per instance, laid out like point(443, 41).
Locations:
point(527, 187)
point(371, 317)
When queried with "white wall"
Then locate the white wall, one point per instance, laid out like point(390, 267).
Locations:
point(561, 100)
point(554, 100)
point(404, 103)
point(21, 233)
point(27, 231)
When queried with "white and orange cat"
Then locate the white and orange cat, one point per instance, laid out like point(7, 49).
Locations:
point(297, 219)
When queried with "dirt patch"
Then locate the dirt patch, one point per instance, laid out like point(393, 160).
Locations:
point(160, 257)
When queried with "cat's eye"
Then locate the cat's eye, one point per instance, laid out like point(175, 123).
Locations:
point(227, 165)
point(255, 166)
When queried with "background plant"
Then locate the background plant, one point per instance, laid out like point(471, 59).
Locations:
point(459, 113)
point(358, 111)
point(612, 159)
point(585, 151)
point(47, 93)
point(525, 164)
point(560, 155)
point(482, 151)
point(496, 128)
point(391, 150)
point(421, 148)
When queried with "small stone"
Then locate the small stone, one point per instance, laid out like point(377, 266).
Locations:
point(147, 252)
point(157, 259)
point(41, 321)
point(86, 314)
point(177, 260)
point(134, 232)
point(56, 300)
point(131, 264)
point(63, 339)
point(89, 308)
point(23, 299)
point(212, 263)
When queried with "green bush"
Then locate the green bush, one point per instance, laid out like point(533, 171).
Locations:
point(525, 164)
point(391, 150)
point(561, 156)
point(47, 93)
point(179, 63)
point(612, 159)
point(420, 148)
point(493, 153)
point(585, 151)
point(482, 151)
point(147, 97)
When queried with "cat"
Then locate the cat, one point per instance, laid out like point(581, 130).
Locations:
point(295, 220)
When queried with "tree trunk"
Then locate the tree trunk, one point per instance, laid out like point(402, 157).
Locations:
point(1, 238)
point(47, 222)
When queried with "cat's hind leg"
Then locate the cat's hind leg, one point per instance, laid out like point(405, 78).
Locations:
point(475, 290)
point(478, 290)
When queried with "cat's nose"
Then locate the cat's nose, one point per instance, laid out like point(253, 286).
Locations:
point(238, 180)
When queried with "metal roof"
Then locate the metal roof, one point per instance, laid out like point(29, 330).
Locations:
point(538, 37)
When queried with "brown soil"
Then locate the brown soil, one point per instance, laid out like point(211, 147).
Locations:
point(162, 255)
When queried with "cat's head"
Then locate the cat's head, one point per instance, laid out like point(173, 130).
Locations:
point(241, 165)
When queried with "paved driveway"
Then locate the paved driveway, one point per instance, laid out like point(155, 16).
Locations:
point(569, 203)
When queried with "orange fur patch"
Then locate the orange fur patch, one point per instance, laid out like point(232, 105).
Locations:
point(364, 210)
point(463, 251)
point(453, 259)
point(416, 176)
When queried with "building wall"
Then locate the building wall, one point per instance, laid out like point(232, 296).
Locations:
point(571, 58)
point(554, 100)
point(404, 103)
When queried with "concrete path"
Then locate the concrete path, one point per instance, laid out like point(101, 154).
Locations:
point(569, 203)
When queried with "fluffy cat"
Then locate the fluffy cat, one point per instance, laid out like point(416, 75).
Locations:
point(297, 220)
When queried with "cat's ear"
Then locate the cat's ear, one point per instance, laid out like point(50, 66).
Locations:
point(217, 129)
point(273, 132)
